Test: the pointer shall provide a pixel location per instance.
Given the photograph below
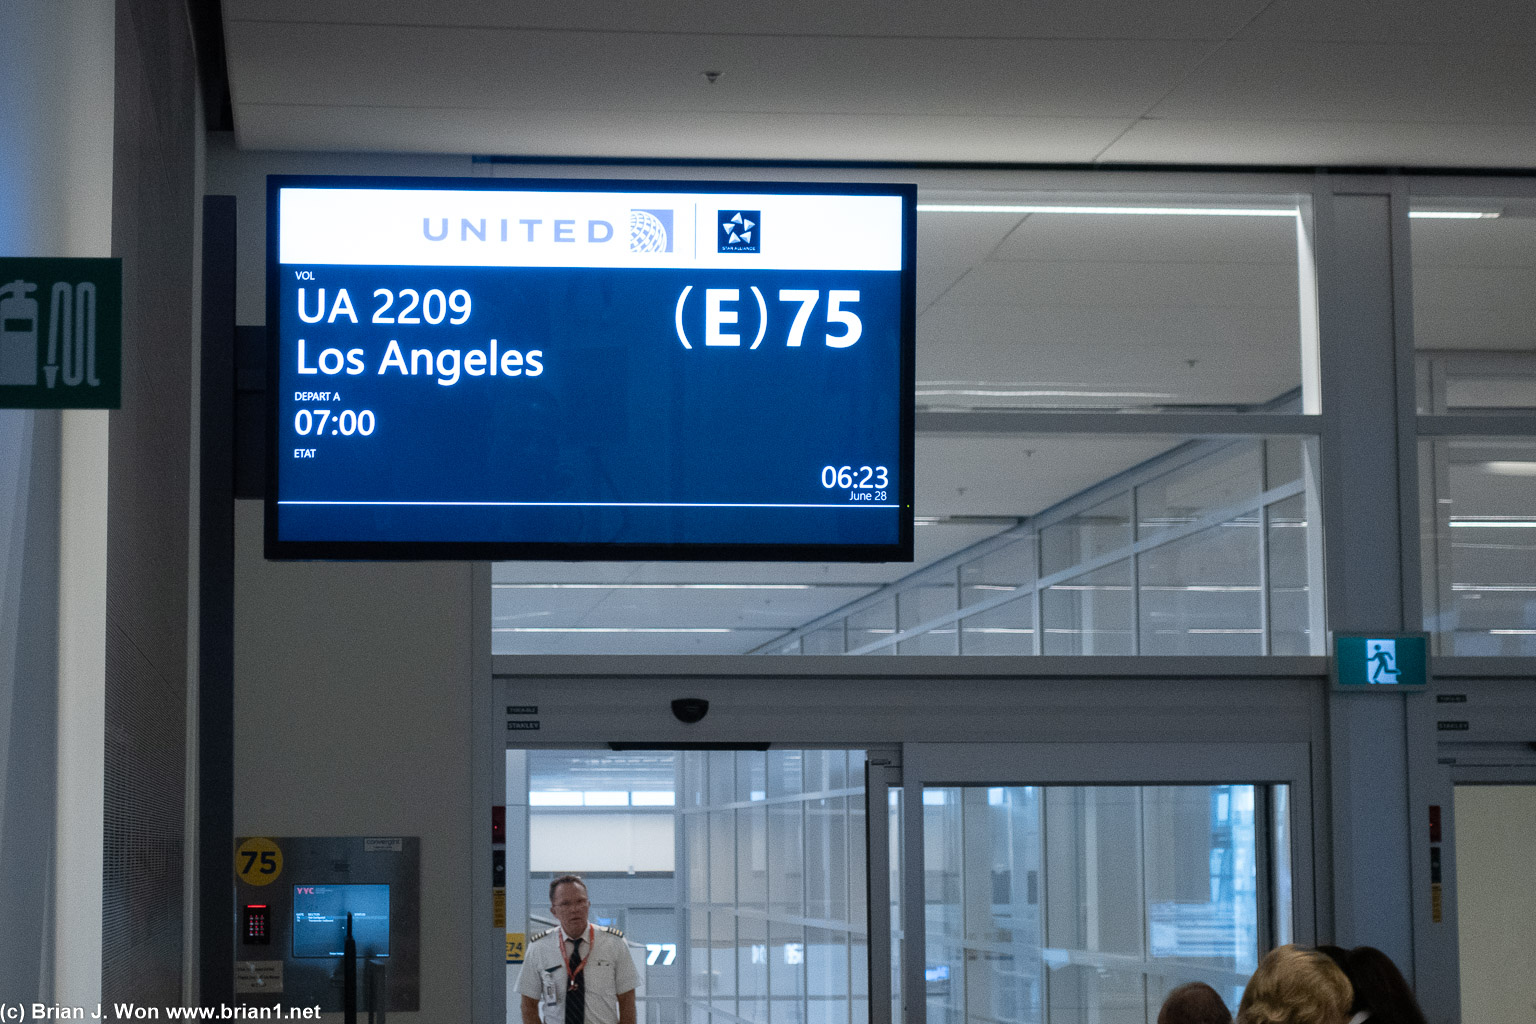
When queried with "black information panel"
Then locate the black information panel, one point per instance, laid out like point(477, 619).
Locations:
point(489, 368)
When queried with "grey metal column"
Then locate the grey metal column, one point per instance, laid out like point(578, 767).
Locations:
point(216, 612)
point(1369, 526)
point(882, 773)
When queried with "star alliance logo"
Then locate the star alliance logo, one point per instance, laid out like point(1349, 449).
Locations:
point(741, 231)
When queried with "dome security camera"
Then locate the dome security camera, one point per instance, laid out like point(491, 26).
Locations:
point(689, 710)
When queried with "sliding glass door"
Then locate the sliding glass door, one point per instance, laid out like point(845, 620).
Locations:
point(1078, 884)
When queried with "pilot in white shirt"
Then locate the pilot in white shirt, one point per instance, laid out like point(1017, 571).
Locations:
point(578, 973)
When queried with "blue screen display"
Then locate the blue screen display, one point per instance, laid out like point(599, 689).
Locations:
point(320, 919)
point(587, 370)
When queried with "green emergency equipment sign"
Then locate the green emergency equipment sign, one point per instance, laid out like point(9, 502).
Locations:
point(61, 333)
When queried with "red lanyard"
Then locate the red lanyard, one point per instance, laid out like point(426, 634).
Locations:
point(569, 973)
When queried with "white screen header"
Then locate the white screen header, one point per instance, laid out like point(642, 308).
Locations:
point(494, 228)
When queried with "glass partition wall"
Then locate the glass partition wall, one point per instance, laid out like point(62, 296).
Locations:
point(1088, 903)
point(1114, 424)
point(741, 878)
point(1210, 548)
point(1474, 278)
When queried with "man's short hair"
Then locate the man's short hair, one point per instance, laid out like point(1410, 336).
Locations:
point(565, 880)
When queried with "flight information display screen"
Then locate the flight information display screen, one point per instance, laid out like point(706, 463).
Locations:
point(505, 368)
point(320, 919)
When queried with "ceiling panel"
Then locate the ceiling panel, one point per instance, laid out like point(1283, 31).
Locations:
point(1116, 356)
point(1381, 21)
point(1090, 19)
point(1152, 239)
point(1256, 79)
point(577, 71)
point(1347, 137)
point(980, 475)
point(1048, 285)
point(1509, 241)
point(602, 133)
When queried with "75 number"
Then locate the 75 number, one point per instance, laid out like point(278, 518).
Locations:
point(835, 315)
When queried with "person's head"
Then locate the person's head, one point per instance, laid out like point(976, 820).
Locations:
point(1195, 1003)
point(568, 902)
point(1296, 986)
point(1380, 988)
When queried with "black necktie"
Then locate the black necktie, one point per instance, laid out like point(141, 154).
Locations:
point(576, 990)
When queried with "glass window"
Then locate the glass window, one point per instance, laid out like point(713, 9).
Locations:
point(1088, 903)
point(877, 622)
point(826, 858)
point(1104, 528)
point(825, 641)
point(1227, 476)
point(761, 874)
point(1003, 571)
point(1290, 598)
point(1474, 298)
point(1478, 507)
point(1203, 594)
point(1007, 629)
point(923, 603)
point(1090, 614)
point(1095, 302)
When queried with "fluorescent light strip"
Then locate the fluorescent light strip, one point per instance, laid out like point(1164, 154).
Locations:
point(1513, 632)
point(1495, 524)
point(1087, 586)
point(980, 393)
point(1509, 468)
point(652, 586)
point(603, 629)
point(1207, 588)
point(1453, 214)
point(1223, 632)
point(1493, 588)
point(1131, 211)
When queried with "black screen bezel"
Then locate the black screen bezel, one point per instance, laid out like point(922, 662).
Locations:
point(485, 550)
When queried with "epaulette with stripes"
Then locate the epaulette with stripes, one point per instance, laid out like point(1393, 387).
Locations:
point(611, 931)
point(536, 938)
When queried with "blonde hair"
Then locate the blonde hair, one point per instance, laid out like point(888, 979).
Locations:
point(1296, 986)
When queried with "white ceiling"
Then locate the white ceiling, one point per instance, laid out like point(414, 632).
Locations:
point(1013, 309)
point(1268, 82)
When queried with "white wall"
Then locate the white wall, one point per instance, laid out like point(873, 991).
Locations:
point(1496, 902)
point(353, 716)
point(356, 684)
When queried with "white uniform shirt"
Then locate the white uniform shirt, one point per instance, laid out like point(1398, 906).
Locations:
point(610, 972)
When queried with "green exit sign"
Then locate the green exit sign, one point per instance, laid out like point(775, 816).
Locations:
point(1381, 661)
point(61, 333)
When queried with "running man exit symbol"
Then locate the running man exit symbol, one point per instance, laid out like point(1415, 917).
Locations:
point(1383, 664)
point(1382, 658)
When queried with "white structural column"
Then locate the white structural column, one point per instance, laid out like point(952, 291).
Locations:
point(1368, 483)
point(56, 106)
